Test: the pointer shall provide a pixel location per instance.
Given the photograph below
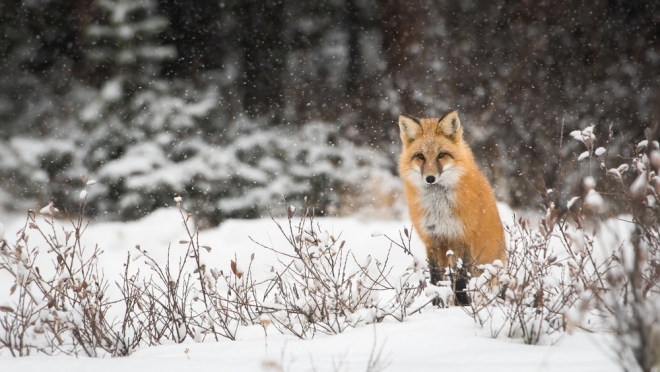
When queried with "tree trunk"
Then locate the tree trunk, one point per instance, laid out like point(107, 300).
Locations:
point(261, 41)
point(402, 24)
point(354, 55)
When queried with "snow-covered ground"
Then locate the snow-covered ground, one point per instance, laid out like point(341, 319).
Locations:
point(436, 339)
point(444, 339)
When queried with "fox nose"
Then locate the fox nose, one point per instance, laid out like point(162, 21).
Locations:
point(430, 179)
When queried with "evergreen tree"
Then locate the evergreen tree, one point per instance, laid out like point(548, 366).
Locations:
point(137, 118)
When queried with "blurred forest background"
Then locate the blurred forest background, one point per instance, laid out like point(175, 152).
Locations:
point(235, 103)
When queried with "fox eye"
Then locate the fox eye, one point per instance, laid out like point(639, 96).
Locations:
point(420, 156)
point(441, 155)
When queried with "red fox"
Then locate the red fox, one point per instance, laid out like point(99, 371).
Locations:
point(450, 201)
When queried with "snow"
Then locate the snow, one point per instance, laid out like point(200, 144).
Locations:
point(48, 210)
point(589, 182)
point(642, 145)
point(586, 135)
point(615, 173)
point(431, 340)
point(572, 201)
point(32, 151)
point(139, 159)
point(112, 90)
point(639, 185)
point(438, 340)
point(655, 158)
point(594, 201)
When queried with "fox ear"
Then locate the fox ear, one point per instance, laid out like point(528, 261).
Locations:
point(410, 128)
point(450, 126)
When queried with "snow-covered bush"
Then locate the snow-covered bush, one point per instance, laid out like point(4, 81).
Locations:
point(61, 305)
point(135, 122)
point(60, 308)
point(239, 178)
point(576, 269)
point(251, 170)
point(146, 137)
point(158, 142)
point(35, 171)
point(313, 161)
point(182, 297)
point(320, 286)
point(632, 301)
point(549, 270)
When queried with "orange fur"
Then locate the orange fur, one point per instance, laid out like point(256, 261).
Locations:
point(457, 211)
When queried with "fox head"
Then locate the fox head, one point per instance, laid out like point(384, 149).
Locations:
point(433, 150)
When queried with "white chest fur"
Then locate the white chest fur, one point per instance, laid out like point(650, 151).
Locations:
point(440, 220)
point(438, 200)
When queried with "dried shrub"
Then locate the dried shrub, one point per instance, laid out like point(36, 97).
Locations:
point(318, 286)
point(321, 286)
point(545, 276)
point(632, 301)
point(576, 270)
point(58, 309)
